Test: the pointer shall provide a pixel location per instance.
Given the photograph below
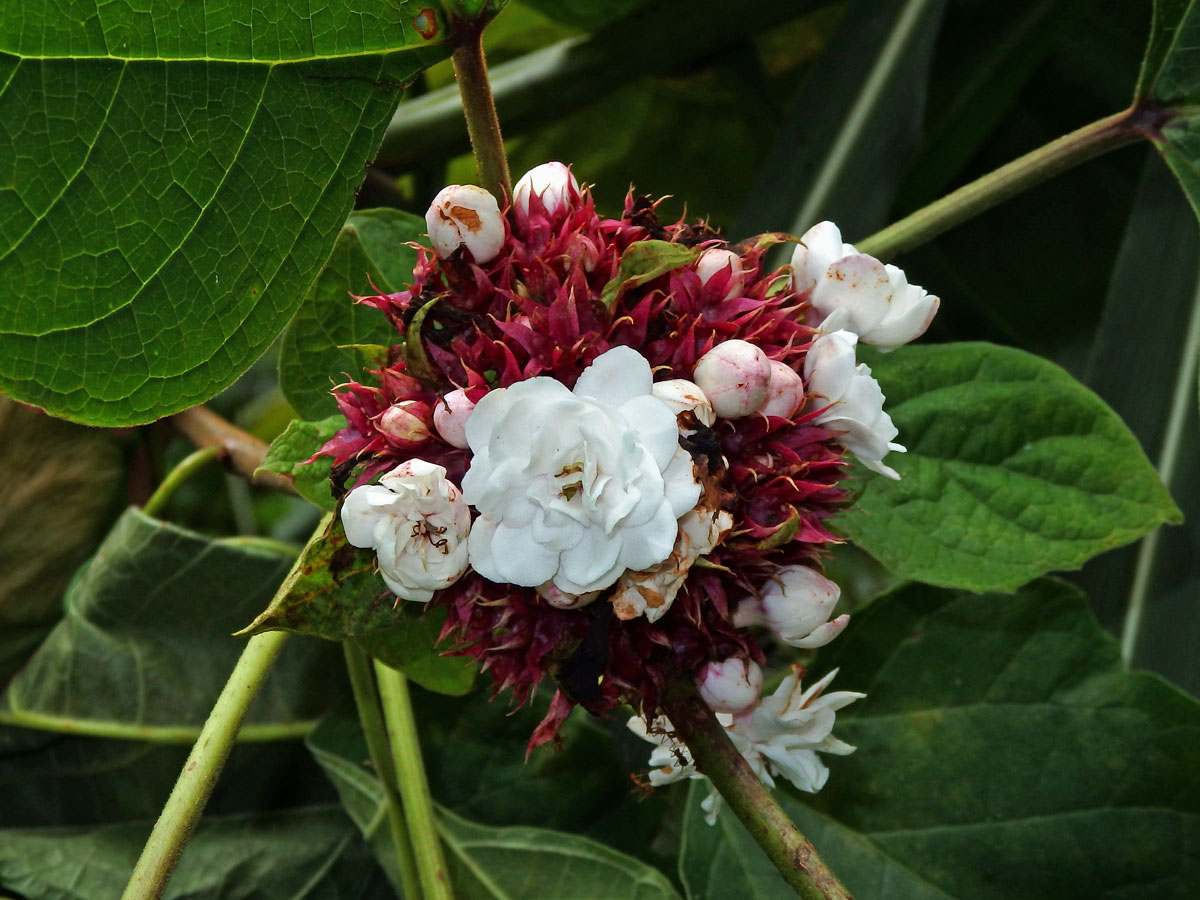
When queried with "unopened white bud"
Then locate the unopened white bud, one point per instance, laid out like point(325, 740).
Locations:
point(682, 395)
point(735, 376)
point(797, 605)
point(464, 215)
point(551, 182)
point(730, 686)
point(450, 416)
point(715, 260)
point(405, 422)
point(785, 394)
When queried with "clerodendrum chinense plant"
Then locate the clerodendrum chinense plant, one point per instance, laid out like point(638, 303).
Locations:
point(577, 448)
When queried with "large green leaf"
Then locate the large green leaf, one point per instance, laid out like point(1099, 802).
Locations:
point(337, 594)
point(296, 854)
point(1013, 470)
point(173, 183)
point(1003, 751)
point(371, 255)
point(860, 112)
point(488, 862)
point(145, 645)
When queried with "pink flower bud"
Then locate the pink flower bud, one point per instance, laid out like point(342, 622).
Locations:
point(552, 183)
point(724, 264)
point(735, 376)
point(450, 416)
point(797, 604)
point(406, 422)
point(682, 395)
point(464, 215)
point(785, 395)
point(730, 686)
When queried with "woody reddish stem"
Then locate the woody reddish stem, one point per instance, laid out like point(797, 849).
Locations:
point(240, 450)
point(479, 109)
point(792, 853)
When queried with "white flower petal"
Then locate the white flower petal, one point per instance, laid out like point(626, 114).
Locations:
point(616, 377)
point(520, 560)
point(858, 284)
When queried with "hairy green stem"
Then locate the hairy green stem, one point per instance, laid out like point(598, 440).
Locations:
point(189, 466)
point(366, 699)
point(413, 785)
point(200, 772)
point(1019, 175)
point(479, 109)
point(716, 756)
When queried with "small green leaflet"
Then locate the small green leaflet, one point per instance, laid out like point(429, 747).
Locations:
point(642, 262)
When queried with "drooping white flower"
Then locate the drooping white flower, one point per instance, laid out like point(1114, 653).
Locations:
point(795, 605)
point(731, 685)
point(780, 737)
point(651, 592)
point(417, 522)
point(550, 182)
point(850, 399)
point(576, 487)
point(463, 215)
point(855, 292)
point(735, 376)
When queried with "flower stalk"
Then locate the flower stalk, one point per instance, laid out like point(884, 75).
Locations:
point(412, 784)
point(188, 466)
point(199, 775)
point(240, 450)
point(366, 700)
point(1013, 178)
point(716, 757)
point(479, 109)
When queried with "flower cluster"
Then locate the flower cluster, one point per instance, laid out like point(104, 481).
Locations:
point(610, 449)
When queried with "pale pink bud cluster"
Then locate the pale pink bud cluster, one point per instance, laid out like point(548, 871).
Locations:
point(731, 685)
point(736, 378)
point(463, 215)
point(406, 423)
point(713, 262)
point(552, 183)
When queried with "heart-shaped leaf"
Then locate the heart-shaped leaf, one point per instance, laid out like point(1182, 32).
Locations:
point(180, 177)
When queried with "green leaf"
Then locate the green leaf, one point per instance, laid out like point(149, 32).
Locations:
point(587, 15)
point(860, 112)
point(294, 854)
point(1003, 751)
point(154, 596)
point(1013, 470)
point(63, 484)
point(289, 454)
point(337, 594)
point(487, 862)
point(1171, 66)
point(643, 262)
point(180, 178)
point(371, 255)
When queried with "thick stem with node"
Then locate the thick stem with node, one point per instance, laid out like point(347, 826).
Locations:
point(1017, 176)
point(479, 109)
point(717, 758)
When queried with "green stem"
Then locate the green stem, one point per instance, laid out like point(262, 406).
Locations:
point(366, 699)
point(150, 734)
point(413, 785)
point(716, 756)
point(479, 109)
point(1011, 179)
point(189, 466)
point(204, 763)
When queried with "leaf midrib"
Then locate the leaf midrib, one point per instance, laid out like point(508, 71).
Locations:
point(388, 50)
